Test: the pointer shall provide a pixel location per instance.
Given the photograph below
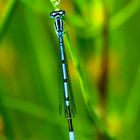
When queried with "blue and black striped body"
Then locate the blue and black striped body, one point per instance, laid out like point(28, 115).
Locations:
point(59, 27)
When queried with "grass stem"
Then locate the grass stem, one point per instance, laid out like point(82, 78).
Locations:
point(11, 6)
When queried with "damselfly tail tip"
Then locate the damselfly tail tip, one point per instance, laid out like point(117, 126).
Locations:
point(71, 135)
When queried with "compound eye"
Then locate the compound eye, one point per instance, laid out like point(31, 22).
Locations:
point(62, 13)
point(53, 14)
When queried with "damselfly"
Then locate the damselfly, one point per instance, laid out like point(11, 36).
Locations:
point(69, 105)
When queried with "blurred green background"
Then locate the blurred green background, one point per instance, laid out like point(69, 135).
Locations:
point(103, 48)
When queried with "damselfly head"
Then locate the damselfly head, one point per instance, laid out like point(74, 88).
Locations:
point(56, 14)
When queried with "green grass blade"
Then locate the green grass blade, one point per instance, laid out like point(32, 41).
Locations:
point(124, 15)
point(11, 7)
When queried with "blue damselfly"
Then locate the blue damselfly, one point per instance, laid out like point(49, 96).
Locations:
point(69, 106)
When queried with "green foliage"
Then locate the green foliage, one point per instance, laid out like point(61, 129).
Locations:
point(102, 45)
